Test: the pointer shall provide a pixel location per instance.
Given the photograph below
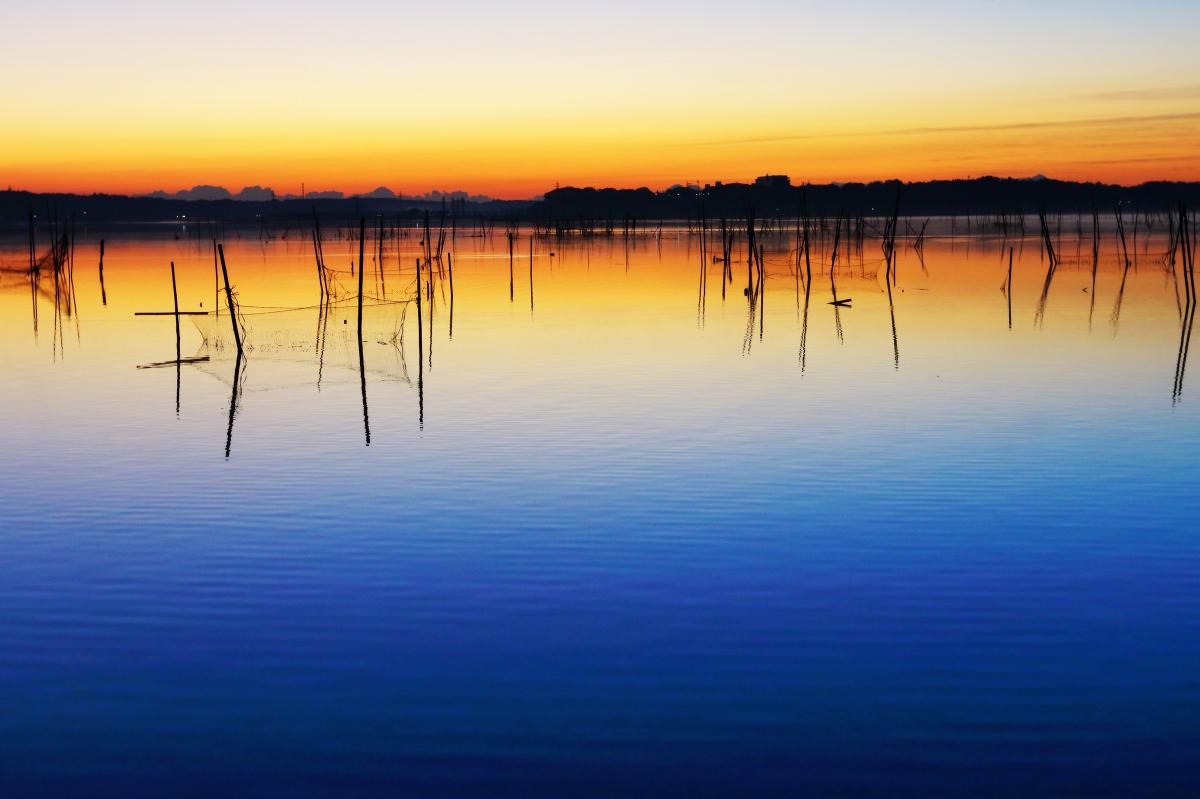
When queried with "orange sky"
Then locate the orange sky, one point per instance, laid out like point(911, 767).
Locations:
point(508, 102)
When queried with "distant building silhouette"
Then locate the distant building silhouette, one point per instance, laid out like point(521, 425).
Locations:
point(773, 182)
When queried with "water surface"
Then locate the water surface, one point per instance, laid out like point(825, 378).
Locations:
point(615, 534)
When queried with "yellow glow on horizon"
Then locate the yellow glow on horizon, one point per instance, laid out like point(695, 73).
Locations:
point(511, 102)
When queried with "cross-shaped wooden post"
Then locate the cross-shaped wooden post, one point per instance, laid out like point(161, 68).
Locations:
point(179, 359)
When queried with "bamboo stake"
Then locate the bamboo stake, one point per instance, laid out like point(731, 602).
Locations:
point(175, 297)
point(103, 293)
point(237, 334)
point(362, 229)
point(450, 269)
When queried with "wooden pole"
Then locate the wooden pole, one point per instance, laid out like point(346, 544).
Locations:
point(103, 293)
point(320, 270)
point(450, 269)
point(382, 278)
point(421, 353)
point(178, 345)
point(420, 331)
point(175, 297)
point(362, 229)
point(362, 365)
point(237, 334)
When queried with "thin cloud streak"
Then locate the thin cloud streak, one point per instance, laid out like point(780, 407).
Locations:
point(1071, 123)
point(1150, 159)
point(1171, 93)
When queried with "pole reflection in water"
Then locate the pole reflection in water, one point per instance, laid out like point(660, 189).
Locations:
point(584, 279)
point(233, 402)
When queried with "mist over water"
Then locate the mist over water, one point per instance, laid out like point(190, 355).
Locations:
point(631, 526)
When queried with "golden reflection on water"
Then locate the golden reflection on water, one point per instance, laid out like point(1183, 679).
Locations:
point(605, 303)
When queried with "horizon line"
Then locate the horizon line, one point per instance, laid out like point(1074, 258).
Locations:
point(468, 196)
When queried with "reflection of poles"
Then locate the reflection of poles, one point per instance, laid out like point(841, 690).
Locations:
point(1185, 341)
point(1116, 312)
point(322, 328)
point(804, 328)
point(895, 338)
point(362, 376)
point(751, 314)
point(450, 270)
point(1189, 287)
point(233, 402)
point(530, 277)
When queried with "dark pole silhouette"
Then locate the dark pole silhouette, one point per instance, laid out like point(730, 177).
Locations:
point(103, 293)
point(362, 369)
point(178, 340)
point(421, 354)
point(237, 335)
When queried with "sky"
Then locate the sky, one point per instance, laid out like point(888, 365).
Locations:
point(511, 99)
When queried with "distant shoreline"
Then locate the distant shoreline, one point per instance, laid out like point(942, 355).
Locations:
point(769, 196)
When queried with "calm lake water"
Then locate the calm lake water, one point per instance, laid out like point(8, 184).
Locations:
point(618, 535)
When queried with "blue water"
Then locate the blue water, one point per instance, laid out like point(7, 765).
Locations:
point(638, 561)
